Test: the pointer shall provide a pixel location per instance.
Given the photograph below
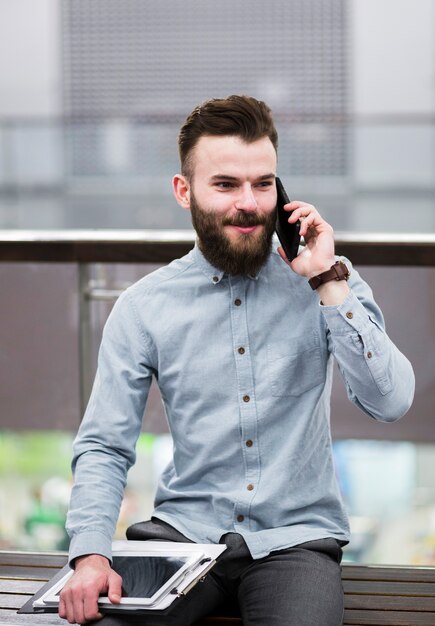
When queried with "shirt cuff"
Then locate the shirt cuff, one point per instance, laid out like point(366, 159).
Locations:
point(90, 542)
point(348, 316)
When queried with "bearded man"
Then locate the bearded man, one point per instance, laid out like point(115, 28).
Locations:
point(242, 346)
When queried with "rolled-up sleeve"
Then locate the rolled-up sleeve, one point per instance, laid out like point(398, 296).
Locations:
point(379, 379)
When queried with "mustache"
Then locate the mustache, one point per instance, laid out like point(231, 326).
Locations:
point(245, 220)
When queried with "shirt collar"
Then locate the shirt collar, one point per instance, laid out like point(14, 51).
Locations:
point(213, 274)
point(210, 272)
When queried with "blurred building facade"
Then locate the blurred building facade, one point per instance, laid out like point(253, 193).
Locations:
point(93, 94)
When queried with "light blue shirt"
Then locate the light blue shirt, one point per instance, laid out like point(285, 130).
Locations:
point(244, 366)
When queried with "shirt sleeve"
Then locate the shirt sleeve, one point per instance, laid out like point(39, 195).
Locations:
point(104, 448)
point(379, 379)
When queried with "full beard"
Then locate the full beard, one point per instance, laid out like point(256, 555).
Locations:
point(248, 254)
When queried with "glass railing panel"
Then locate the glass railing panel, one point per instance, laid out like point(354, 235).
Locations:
point(117, 173)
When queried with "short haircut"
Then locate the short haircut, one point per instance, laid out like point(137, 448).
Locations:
point(240, 116)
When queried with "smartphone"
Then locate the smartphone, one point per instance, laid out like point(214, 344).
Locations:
point(288, 234)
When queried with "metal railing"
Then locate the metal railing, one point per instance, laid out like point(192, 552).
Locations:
point(162, 246)
point(86, 248)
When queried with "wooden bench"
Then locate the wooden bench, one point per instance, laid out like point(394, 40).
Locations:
point(376, 596)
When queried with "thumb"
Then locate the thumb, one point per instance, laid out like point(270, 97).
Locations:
point(115, 587)
point(282, 254)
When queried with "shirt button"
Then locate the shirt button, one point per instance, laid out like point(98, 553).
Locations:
point(349, 315)
point(249, 443)
point(237, 302)
point(241, 350)
point(246, 398)
point(215, 279)
point(240, 518)
point(369, 355)
point(250, 487)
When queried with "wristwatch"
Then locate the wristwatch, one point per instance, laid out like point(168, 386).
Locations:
point(338, 271)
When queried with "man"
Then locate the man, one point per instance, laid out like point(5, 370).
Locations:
point(241, 346)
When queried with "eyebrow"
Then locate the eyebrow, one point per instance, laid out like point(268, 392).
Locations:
point(217, 177)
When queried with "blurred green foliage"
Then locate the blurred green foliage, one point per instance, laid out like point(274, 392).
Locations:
point(45, 452)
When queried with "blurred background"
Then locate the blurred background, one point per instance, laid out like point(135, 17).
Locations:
point(92, 94)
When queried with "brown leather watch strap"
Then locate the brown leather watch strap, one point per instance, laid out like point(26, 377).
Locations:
point(338, 271)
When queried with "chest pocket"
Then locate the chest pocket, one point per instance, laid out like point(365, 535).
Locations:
point(296, 365)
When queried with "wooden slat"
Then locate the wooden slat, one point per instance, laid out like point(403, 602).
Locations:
point(388, 618)
point(11, 585)
point(29, 573)
point(33, 559)
point(377, 587)
point(13, 601)
point(390, 603)
point(364, 572)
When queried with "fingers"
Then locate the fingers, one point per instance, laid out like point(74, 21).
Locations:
point(300, 210)
point(298, 204)
point(310, 219)
point(318, 235)
point(90, 607)
point(78, 601)
point(63, 608)
point(115, 588)
point(79, 606)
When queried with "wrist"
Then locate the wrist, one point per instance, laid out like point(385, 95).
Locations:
point(324, 267)
point(337, 272)
point(90, 559)
point(333, 293)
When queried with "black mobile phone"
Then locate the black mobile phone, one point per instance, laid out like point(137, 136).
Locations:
point(288, 234)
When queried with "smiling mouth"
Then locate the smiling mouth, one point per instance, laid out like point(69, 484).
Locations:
point(246, 229)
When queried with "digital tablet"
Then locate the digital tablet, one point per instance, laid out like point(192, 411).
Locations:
point(146, 577)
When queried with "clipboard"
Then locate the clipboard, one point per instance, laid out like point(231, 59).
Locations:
point(154, 573)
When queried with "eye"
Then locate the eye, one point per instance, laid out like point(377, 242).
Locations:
point(265, 184)
point(224, 185)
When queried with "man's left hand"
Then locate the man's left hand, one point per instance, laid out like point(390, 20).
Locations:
point(318, 254)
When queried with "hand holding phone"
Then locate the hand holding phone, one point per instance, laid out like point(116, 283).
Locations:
point(288, 234)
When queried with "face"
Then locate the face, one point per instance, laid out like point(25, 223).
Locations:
point(232, 198)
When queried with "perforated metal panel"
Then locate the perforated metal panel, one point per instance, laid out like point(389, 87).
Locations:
point(147, 63)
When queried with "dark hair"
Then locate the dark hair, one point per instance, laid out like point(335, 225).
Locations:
point(240, 116)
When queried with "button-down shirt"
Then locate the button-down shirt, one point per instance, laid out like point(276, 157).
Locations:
point(244, 367)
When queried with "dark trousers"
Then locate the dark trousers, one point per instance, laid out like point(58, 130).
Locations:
point(298, 586)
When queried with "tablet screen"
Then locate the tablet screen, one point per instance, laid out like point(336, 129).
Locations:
point(144, 576)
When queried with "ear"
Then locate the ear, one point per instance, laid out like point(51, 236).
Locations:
point(181, 189)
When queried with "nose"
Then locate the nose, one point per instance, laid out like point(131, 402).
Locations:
point(246, 200)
